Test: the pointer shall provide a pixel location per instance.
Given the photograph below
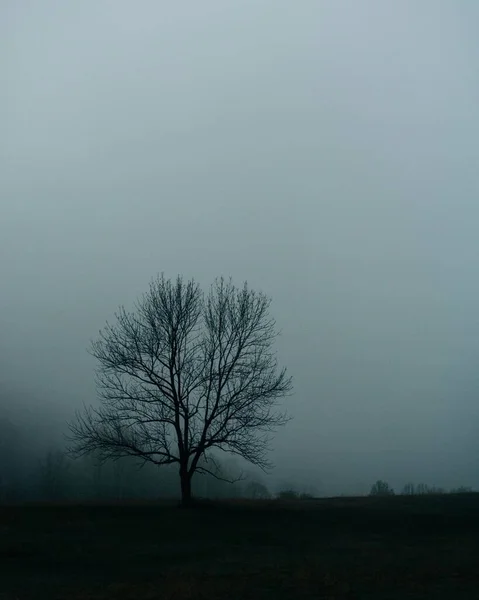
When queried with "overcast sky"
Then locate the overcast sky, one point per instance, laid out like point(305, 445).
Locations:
point(325, 151)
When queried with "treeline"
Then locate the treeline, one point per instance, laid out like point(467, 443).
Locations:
point(56, 477)
point(34, 471)
point(31, 471)
point(382, 488)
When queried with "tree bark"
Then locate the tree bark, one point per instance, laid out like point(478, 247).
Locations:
point(185, 482)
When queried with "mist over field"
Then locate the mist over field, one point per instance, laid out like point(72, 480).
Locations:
point(326, 152)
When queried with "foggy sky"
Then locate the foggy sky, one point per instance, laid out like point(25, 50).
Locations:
point(326, 152)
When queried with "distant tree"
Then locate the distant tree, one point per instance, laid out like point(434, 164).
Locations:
point(461, 490)
point(436, 490)
point(257, 491)
point(12, 460)
point(422, 489)
point(224, 485)
point(381, 488)
point(409, 489)
point(91, 477)
point(54, 475)
point(184, 375)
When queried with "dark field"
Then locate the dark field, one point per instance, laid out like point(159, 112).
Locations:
point(391, 548)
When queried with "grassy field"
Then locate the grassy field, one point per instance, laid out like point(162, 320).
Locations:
point(372, 548)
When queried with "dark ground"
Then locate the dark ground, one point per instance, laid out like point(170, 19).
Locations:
point(380, 549)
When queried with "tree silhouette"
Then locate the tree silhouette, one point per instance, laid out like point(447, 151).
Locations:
point(409, 489)
point(381, 488)
point(186, 374)
point(257, 490)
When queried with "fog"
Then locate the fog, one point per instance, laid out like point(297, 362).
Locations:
point(326, 152)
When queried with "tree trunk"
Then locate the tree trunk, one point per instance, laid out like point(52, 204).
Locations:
point(185, 482)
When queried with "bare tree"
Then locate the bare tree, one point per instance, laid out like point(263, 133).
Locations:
point(257, 491)
point(424, 489)
point(53, 472)
point(461, 490)
point(183, 375)
point(409, 489)
point(381, 488)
